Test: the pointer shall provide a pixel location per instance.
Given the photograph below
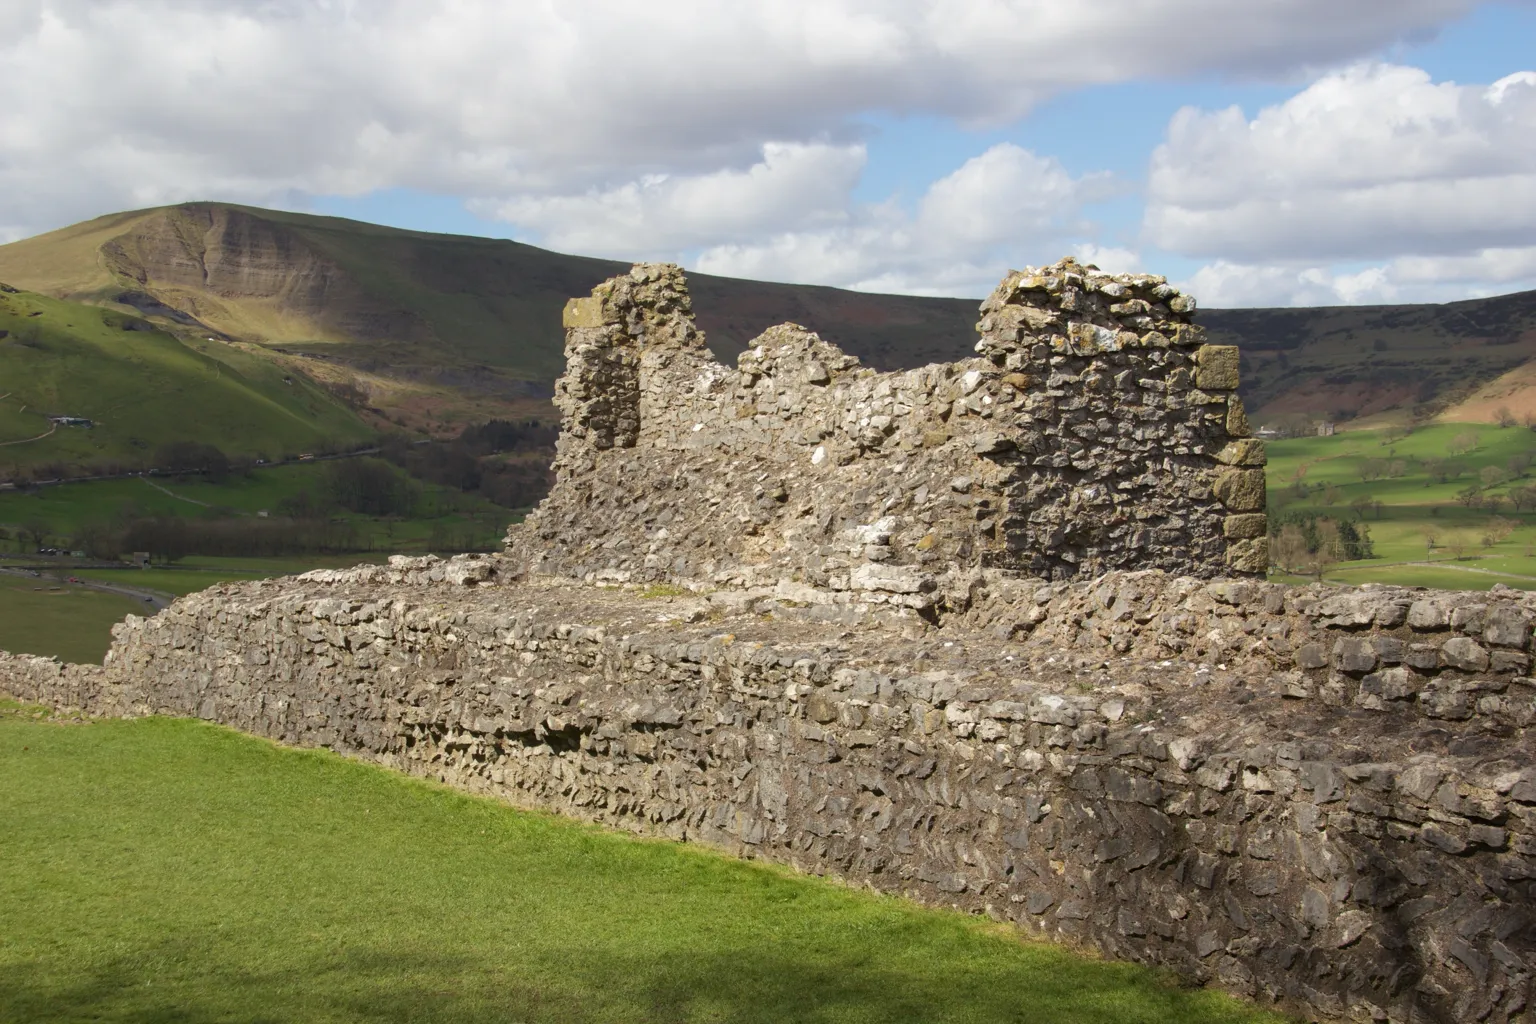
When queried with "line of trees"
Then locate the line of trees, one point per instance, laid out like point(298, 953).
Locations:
point(503, 461)
point(1304, 542)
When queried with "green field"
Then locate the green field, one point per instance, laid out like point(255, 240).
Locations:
point(142, 388)
point(170, 870)
point(1416, 508)
point(68, 507)
point(42, 616)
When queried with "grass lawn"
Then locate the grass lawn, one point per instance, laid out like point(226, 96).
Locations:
point(70, 623)
point(163, 869)
point(1415, 508)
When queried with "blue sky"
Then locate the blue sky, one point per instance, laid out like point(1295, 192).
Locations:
point(921, 146)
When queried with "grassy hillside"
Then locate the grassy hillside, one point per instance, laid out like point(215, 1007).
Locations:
point(438, 516)
point(161, 869)
point(1445, 506)
point(142, 387)
point(440, 331)
point(1362, 361)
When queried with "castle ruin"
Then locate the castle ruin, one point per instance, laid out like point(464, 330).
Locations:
point(991, 635)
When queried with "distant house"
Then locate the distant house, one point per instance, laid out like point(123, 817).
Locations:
point(1266, 432)
point(70, 421)
point(1325, 429)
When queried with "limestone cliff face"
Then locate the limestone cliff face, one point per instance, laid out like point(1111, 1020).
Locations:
point(243, 274)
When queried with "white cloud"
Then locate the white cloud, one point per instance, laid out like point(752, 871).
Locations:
point(793, 186)
point(1004, 206)
point(114, 103)
point(1223, 283)
point(1370, 163)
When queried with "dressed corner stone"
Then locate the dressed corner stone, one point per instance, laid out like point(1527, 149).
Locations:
point(1216, 367)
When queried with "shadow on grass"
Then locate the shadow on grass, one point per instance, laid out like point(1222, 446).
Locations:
point(176, 985)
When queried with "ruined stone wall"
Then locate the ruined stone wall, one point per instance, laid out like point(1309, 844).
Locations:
point(1094, 431)
point(1318, 795)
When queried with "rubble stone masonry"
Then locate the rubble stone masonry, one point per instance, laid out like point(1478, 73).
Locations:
point(1095, 430)
point(928, 632)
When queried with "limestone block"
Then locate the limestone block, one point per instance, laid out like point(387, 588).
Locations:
point(1465, 654)
point(1250, 555)
point(1188, 334)
point(1246, 452)
point(894, 579)
point(1240, 490)
point(587, 312)
point(1237, 418)
point(1216, 367)
point(1245, 526)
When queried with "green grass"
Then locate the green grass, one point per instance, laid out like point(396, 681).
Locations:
point(145, 388)
point(69, 623)
point(67, 507)
point(170, 870)
point(1413, 505)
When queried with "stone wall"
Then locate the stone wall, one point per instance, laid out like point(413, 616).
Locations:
point(1314, 795)
point(1094, 431)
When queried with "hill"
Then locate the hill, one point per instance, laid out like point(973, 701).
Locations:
point(436, 332)
point(85, 386)
point(1344, 362)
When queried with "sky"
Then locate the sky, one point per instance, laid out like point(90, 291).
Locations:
point(1257, 153)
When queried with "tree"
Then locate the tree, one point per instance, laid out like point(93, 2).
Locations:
point(1492, 476)
point(1497, 530)
point(1330, 545)
point(1373, 469)
point(1463, 443)
point(37, 530)
point(1288, 549)
point(1360, 505)
point(1457, 544)
point(183, 457)
point(1523, 498)
point(1518, 465)
point(1504, 416)
point(1331, 494)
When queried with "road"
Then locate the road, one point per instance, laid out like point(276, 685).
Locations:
point(152, 600)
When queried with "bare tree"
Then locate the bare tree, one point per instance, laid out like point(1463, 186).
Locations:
point(1330, 546)
point(1505, 416)
point(37, 530)
point(1497, 531)
point(1288, 549)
